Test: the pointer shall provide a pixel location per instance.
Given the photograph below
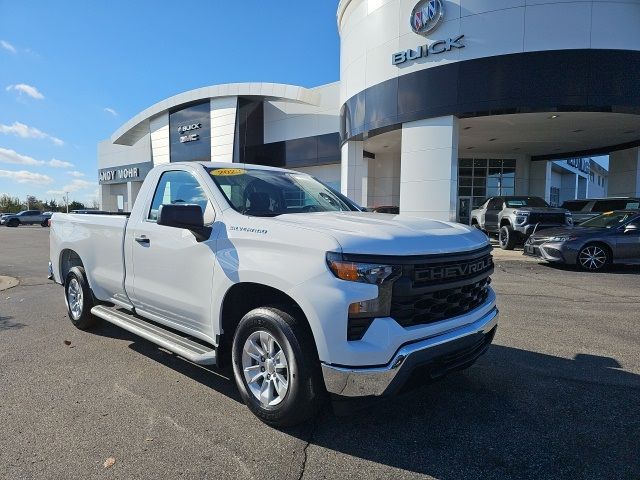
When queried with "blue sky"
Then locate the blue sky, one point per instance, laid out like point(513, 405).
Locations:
point(72, 72)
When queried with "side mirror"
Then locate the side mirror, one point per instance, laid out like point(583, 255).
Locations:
point(185, 216)
point(631, 229)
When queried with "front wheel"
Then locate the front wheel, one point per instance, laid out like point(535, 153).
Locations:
point(276, 367)
point(13, 223)
point(79, 299)
point(593, 258)
point(507, 238)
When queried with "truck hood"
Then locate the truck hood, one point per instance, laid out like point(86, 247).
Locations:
point(386, 234)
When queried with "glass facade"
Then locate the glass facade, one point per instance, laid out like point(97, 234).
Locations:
point(479, 178)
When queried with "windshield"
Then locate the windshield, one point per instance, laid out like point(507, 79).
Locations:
point(525, 202)
point(268, 193)
point(609, 220)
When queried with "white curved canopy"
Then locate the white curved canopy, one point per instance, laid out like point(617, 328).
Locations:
point(138, 126)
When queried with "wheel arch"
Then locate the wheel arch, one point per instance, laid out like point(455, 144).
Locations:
point(243, 297)
point(68, 259)
point(505, 222)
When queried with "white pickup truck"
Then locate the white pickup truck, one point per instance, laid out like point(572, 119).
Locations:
point(284, 278)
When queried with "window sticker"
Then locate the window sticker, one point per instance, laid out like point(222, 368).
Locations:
point(228, 172)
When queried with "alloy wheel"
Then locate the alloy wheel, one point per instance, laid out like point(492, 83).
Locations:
point(503, 237)
point(74, 297)
point(265, 368)
point(592, 258)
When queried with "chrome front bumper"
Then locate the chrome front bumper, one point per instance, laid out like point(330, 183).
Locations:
point(446, 352)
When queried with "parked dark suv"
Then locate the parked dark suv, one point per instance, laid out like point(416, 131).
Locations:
point(515, 218)
point(585, 209)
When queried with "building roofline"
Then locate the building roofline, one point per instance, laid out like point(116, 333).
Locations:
point(138, 126)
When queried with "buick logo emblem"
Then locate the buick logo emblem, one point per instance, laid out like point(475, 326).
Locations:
point(427, 15)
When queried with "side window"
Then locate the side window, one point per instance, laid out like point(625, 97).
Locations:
point(177, 187)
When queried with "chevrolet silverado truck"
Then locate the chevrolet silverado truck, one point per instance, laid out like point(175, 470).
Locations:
point(514, 219)
point(274, 273)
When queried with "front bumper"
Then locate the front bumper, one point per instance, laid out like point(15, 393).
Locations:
point(440, 354)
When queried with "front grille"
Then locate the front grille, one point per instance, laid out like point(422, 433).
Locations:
point(439, 305)
point(547, 218)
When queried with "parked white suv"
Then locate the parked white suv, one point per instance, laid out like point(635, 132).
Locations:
point(272, 271)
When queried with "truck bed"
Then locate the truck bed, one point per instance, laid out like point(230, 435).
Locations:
point(98, 240)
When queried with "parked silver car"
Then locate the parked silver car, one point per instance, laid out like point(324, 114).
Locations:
point(26, 217)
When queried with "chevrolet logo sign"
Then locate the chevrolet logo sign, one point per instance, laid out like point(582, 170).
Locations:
point(457, 270)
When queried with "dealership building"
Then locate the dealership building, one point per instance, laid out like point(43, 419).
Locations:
point(439, 104)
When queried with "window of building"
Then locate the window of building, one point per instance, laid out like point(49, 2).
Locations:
point(554, 196)
point(480, 178)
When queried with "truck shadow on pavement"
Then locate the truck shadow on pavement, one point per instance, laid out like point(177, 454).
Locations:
point(515, 414)
point(220, 380)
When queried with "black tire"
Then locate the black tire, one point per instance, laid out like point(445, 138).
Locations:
point(305, 392)
point(13, 223)
point(507, 238)
point(593, 257)
point(82, 319)
point(44, 224)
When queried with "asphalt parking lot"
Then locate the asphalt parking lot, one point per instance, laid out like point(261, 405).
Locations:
point(556, 396)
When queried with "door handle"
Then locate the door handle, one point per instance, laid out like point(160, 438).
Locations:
point(143, 240)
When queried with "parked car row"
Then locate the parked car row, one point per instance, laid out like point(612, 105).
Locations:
point(36, 217)
point(26, 217)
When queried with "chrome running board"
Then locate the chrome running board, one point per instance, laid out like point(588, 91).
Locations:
point(176, 343)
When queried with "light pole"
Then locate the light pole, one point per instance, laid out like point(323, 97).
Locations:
point(67, 200)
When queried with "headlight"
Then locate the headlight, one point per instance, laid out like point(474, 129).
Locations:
point(521, 217)
point(372, 273)
point(561, 238)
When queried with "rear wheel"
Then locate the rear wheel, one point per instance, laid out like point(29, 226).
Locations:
point(507, 238)
point(79, 299)
point(276, 367)
point(593, 258)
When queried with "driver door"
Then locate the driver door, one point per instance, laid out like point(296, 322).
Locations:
point(172, 271)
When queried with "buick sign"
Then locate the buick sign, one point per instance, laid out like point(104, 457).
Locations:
point(426, 16)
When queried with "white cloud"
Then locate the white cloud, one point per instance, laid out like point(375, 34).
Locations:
point(7, 46)
point(72, 187)
point(59, 164)
point(10, 156)
point(76, 174)
point(25, 131)
point(111, 111)
point(29, 90)
point(24, 176)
